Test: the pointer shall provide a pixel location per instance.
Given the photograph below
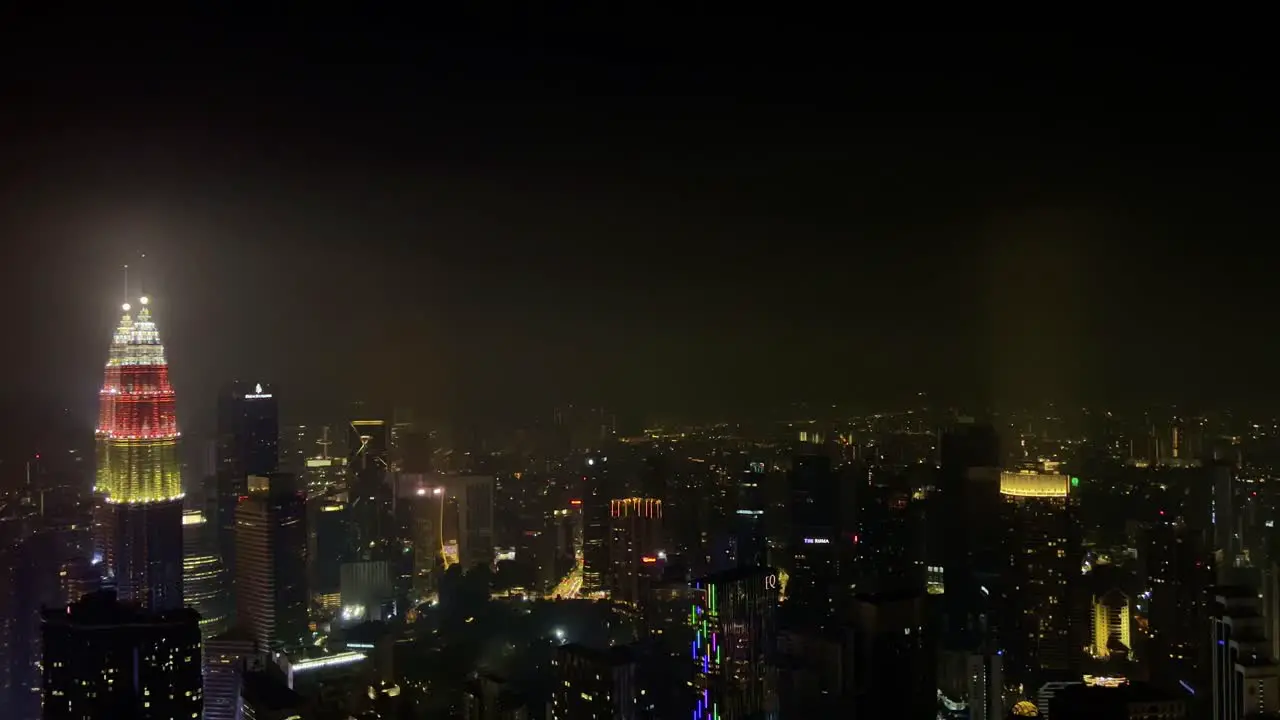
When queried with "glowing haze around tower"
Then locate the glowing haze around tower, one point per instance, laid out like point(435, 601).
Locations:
point(137, 423)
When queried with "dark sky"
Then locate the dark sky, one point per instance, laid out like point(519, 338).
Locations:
point(485, 215)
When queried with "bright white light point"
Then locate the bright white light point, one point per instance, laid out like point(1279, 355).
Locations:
point(126, 307)
point(591, 461)
point(559, 634)
point(422, 491)
point(144, 299)
point(437, 491)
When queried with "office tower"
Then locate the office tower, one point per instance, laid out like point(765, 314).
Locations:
point(370, 491)
point(1043, 571)
point(423, 508)
point(970, 541)
point(986, 686)
point(328, 534)
point(224, 665)
point(1226, 528)
point(271, 544)
point(894, 656)
point(203, 577)
point(1245, 679)
point(734, 616)
point(595, 524)
point(636, 537)
point(248, 444)
point(413, 448)
point(474, 494)
point(815, 536)
point(105, 660)
point(139, 481)
point(749, 544)
point(1178, 571)
point(592, 684)
point(970, 684)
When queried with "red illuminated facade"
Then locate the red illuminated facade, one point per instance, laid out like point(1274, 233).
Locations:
point(139, 480)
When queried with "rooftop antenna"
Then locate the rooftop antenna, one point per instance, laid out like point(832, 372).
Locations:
point(142, 290)
point(126, 288)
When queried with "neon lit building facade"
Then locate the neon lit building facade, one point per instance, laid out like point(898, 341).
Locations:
point(735, 636)
point(635, 540)
point(139, 481)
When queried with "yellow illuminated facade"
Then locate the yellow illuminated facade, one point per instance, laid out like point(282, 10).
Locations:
point(137, 434)
point(1032, 483)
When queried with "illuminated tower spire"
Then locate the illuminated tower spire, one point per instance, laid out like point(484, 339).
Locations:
point(139, 480)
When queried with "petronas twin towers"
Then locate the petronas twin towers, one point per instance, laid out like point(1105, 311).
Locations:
point(139, 482)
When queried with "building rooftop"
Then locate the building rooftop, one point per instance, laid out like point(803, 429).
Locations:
point(268, 693)
point(101, 608)
point(1132, 692)
point(736, 574)
point(613, 656)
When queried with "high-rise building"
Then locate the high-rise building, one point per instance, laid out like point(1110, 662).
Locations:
point(1226, 523)
point(594, 496)
point(104, 659)
point(1176, 563)
point(815, 536)
point(139, 480)
point(370, 490)
point(474, 495)
point(420, 506)
point(1245, 679)
point(248, 444)
point(224, 664)
point(748, 545)
point(203, 576)
point(271, 544)
point(327, 538)
point(593, 684)
point(734, 616)
point(1043, 572)
point(636, 538)
point(894, 656)
point(970, 538)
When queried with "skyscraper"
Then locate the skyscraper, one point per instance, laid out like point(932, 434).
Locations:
point(635, 539)
point(734, 616)
point(139, 481)
point(815, 535)
point(203, 576)
point(248, 444)
point(271, 542)
point(894, 656)
point(969, 530)
point(372, 515)
point(1042, 573)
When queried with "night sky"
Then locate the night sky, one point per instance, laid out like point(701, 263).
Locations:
point(483, 217)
